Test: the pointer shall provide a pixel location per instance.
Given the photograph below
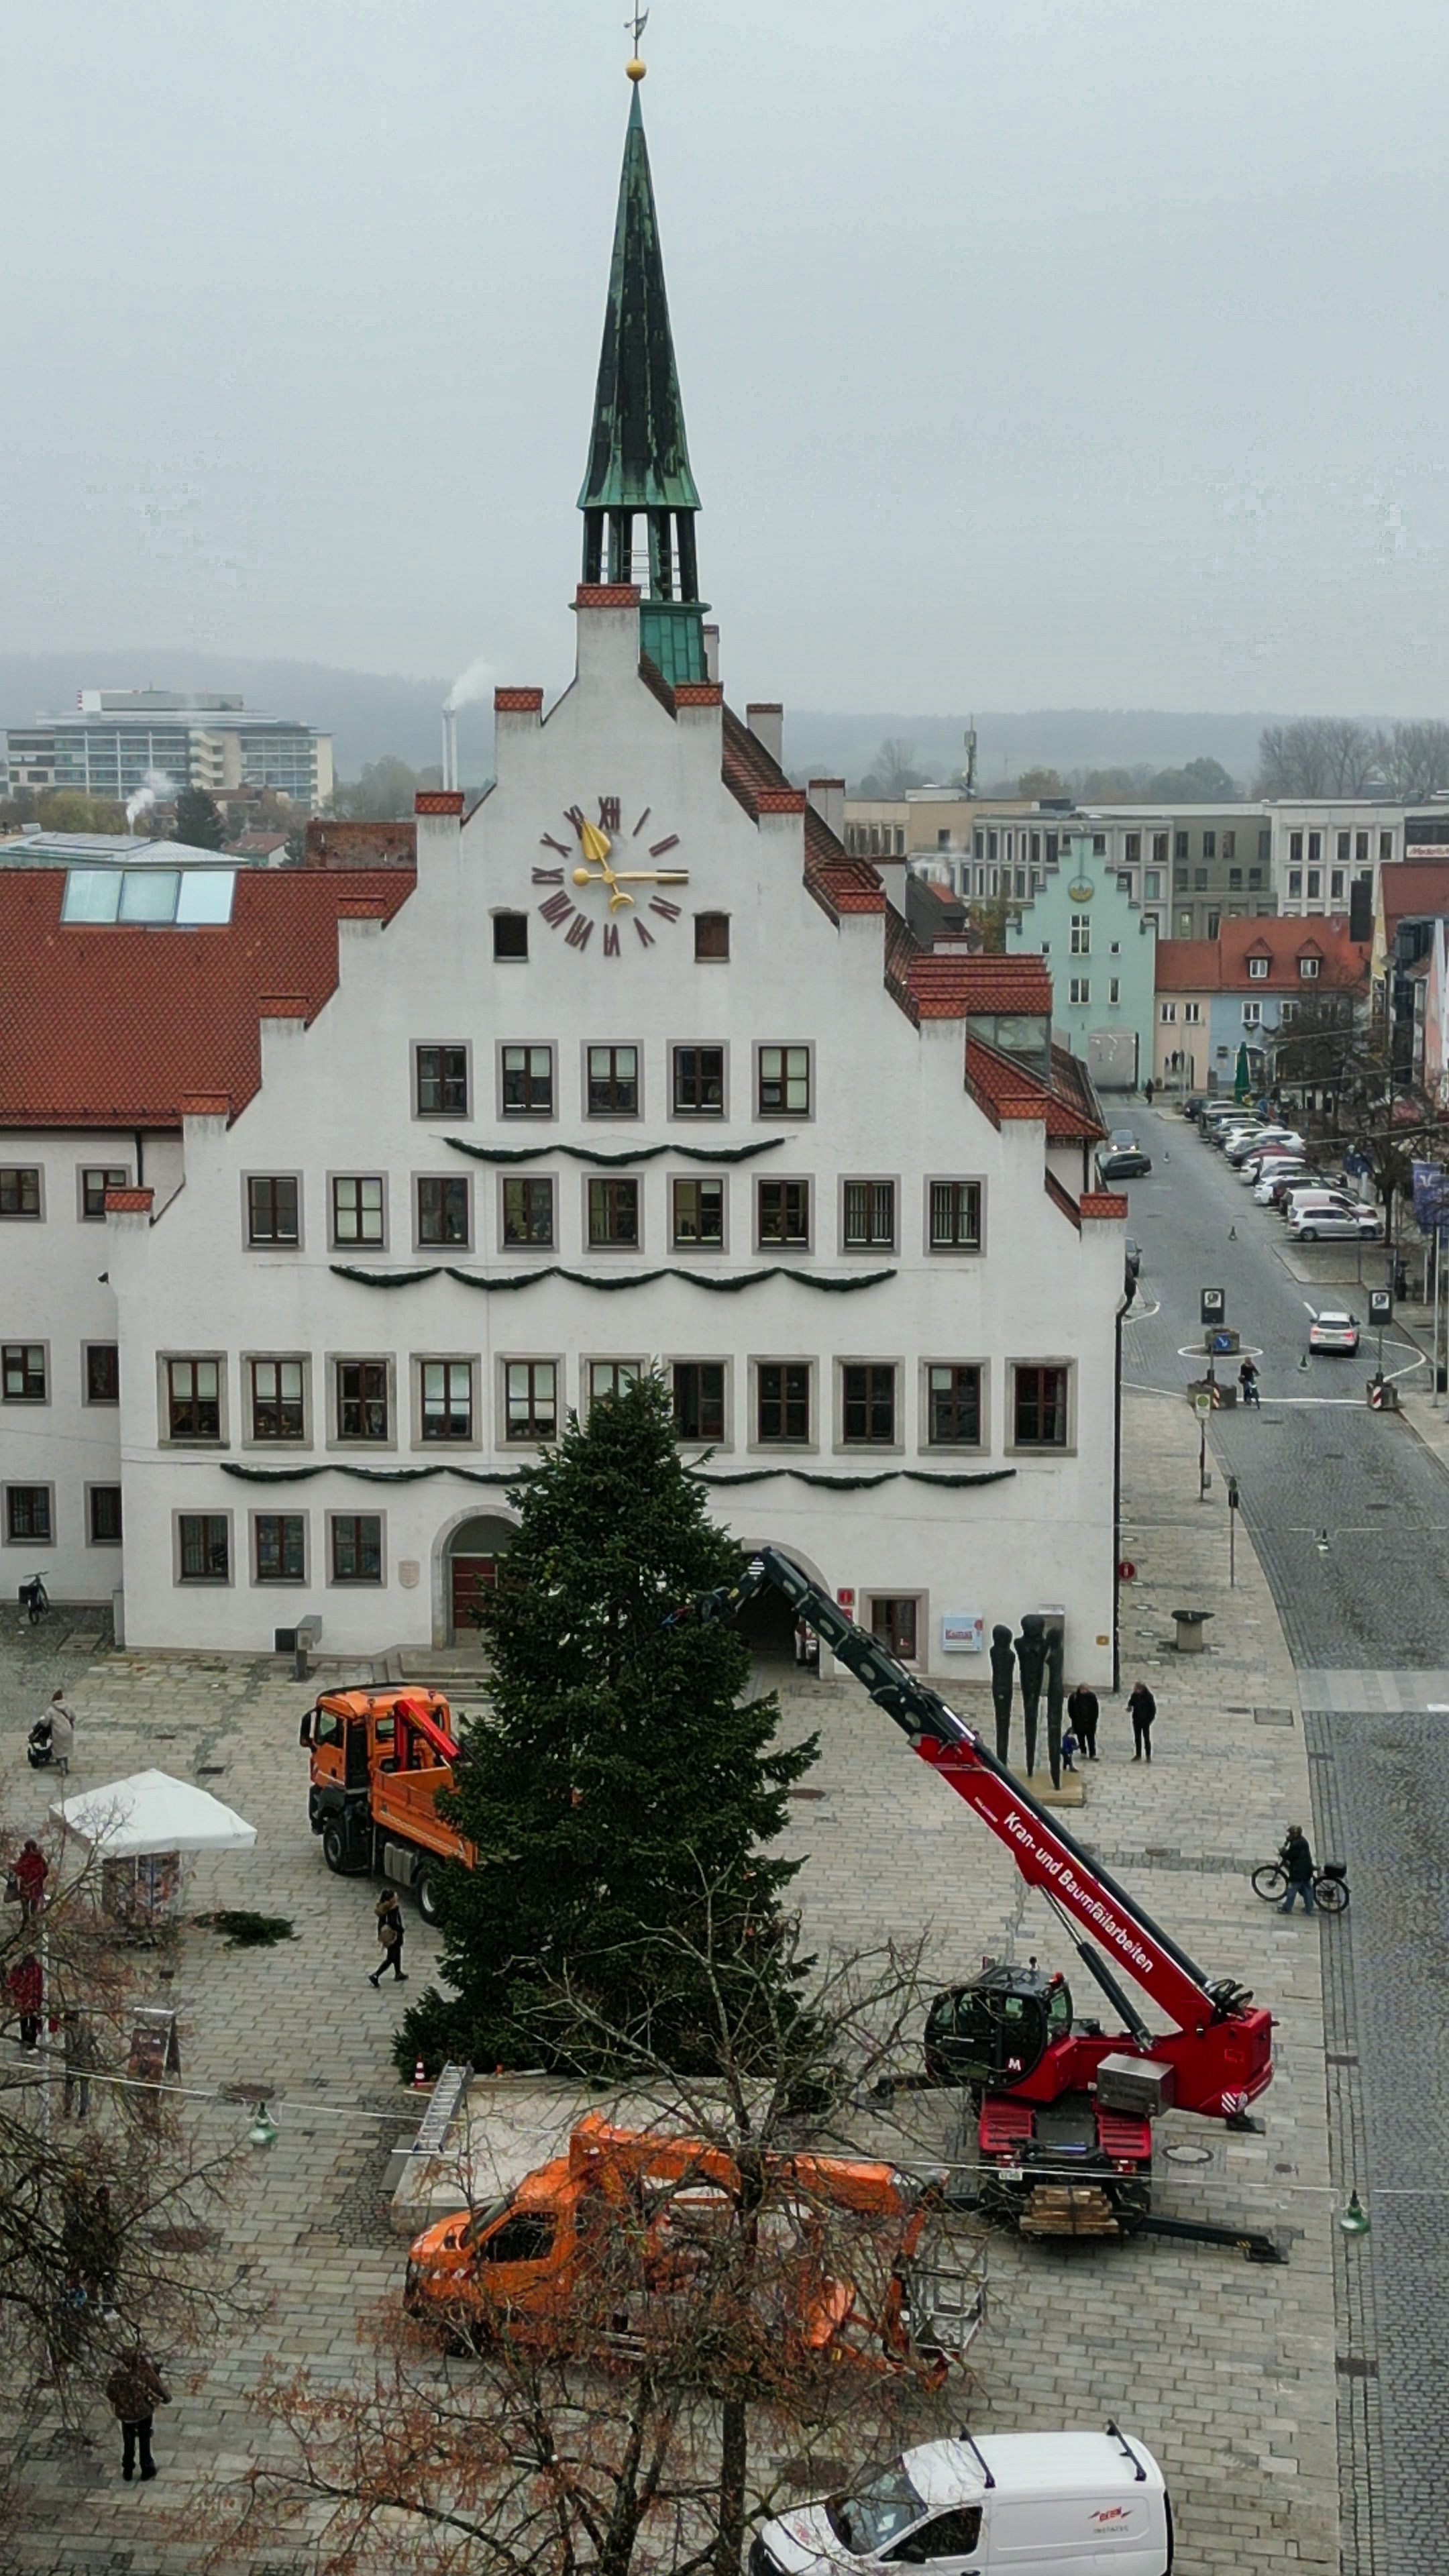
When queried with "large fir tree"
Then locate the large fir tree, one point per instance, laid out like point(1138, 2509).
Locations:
point(621, 1785)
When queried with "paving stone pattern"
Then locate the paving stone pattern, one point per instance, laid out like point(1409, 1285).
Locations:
point(1226, 2369)
point(1350, 1513)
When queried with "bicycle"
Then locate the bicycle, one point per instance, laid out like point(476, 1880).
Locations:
point(1330, 1885)
point(34, 1599)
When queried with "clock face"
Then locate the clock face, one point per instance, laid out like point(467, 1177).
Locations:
point(609, 877)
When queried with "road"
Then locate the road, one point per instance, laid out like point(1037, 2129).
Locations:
point(1350, 1516)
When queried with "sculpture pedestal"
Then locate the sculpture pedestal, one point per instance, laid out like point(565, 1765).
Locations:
point(1072, 1793)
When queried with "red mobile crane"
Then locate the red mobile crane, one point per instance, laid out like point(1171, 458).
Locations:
point(1064, 2129)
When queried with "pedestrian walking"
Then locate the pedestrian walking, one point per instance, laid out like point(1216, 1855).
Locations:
point(1082, 1718)
point(1297, 1861)
point(1147, 1090)
point(1069, 1751)
point(78, 2042)
point(1142, 1708)
point(135, 2390)
point(390, 1934)
point(32, 1870)
point(62, 1731)
point(26, 1989)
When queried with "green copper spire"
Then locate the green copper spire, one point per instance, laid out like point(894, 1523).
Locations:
point(639, 453)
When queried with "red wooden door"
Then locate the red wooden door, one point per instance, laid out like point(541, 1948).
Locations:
point(470, 1573)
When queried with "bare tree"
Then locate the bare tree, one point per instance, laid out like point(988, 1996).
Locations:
point(107, 2223)
point(1315, 756)
point(1414, 759)
point(693, 2379)
point(894, 770)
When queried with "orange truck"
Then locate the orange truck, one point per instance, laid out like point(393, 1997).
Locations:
point(379, 1761)
point(594, 2248)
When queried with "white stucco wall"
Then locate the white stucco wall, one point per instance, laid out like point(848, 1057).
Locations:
point(888, 1101)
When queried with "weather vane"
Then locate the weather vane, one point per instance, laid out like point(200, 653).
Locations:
point(636, 26)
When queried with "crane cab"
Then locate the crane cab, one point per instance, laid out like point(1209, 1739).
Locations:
point(993, 2032)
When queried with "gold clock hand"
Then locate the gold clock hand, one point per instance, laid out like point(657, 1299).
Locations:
point(650, 876)
point(603, 876)
point(595, 844)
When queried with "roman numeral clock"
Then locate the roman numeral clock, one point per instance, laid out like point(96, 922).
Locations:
point(609, 892)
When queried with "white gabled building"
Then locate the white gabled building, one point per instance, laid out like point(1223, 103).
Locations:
point(641, 1071)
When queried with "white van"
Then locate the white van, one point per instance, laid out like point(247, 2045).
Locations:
point(1037, 2504)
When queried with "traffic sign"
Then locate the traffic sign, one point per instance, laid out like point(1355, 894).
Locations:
point(1202, 1402)
point(1214, 1305)
point(1381, 1306)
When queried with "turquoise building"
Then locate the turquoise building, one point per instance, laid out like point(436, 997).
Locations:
point(1102, 951)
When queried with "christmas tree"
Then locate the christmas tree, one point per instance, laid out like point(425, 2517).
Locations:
point(621, 1787)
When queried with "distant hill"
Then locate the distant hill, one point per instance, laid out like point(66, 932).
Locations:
point(1060, 738)
point(370, 713)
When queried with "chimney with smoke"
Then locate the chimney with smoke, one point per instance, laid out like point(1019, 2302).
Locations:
point(153, 787)
point(469, 689)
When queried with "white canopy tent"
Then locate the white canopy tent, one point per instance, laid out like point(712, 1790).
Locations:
point(152, 1813)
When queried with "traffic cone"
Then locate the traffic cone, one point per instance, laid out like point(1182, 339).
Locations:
point(420, 2077)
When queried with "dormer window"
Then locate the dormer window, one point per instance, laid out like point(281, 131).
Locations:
point(1258, 969)
point(1308, 968)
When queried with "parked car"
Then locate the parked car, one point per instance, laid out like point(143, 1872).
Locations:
point(1036, 2503)
point(1279, 1184)
point(1123, 1165)
point(1255, 1167)
point(1301, 1194)
point(1243, 1133)
point(1334, 1330)
point(1194, 1105)
point(1335, 1225)
point(1238, 1148)
point(1122, 1140)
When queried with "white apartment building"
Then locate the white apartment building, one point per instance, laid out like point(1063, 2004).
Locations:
point(115, 740)
point(641, 1071)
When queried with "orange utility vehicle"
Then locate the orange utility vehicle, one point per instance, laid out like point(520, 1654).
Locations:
point(379, 1762)
point(592, 2249)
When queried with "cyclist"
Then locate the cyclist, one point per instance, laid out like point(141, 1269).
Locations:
point(1248, 1381)
point(1297, 1864)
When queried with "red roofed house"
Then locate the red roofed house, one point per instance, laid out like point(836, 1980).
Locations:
point(1215, 996)
point(325, 1206)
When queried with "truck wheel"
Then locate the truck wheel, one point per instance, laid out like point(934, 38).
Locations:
point(426, 1891)
point(337, 1848)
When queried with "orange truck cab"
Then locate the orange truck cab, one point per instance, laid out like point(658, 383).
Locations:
point(591, 2248)
point(379, 1760)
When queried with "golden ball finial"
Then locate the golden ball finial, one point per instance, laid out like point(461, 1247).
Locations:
point(636, 69)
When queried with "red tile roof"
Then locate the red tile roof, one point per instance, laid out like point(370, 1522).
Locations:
point(1189, 966)
point(1007, 1090)
point(1221, 965)
point(1109, 1203)
point(119, 1027)
point(1414, 886)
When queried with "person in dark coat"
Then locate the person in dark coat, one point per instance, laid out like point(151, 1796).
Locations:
point(32, 1870)
point(25, 1985)
point(135, 2390)
point(1142, 1708)
point(390, 1934)
point(1297, 1861)
point(1082, 1718)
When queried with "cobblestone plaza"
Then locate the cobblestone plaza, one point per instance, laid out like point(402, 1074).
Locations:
point(1225, 2369)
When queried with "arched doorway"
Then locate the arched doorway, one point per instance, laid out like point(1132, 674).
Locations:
point(767, 1624)
point(471, 1553)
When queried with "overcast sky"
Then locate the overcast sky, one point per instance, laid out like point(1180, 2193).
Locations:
point(1077, 352)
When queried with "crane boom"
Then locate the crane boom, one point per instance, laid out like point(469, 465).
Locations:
point(1220, 2045)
